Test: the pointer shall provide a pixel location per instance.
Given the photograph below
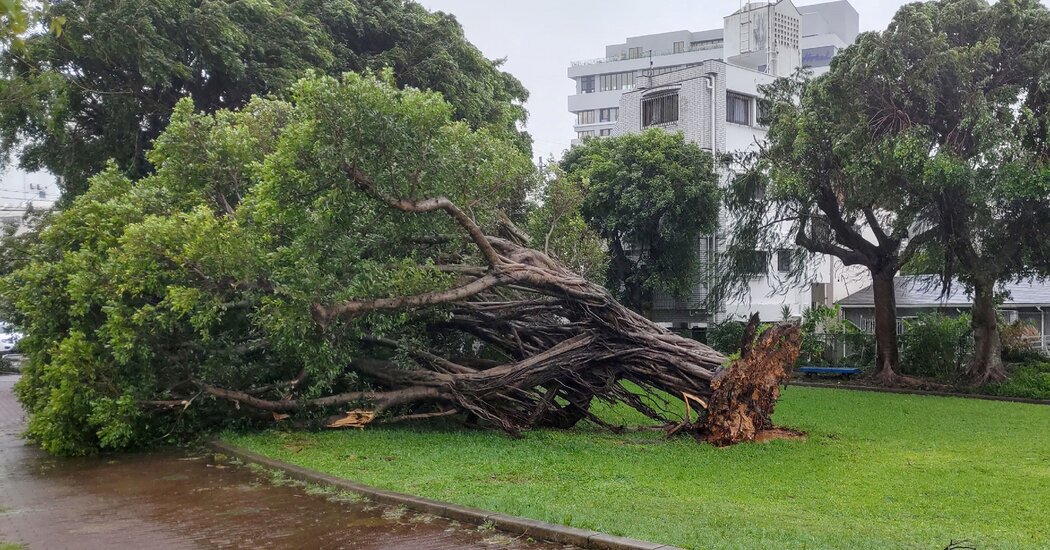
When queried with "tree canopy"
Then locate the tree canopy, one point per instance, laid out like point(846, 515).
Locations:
point(206, 269)
point(650, 197)
point(104, 86)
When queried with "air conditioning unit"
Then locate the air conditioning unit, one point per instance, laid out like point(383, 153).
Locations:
point(821, 294)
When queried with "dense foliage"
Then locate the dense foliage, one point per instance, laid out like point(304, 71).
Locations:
point(650, 196)
point(204, 271)
point(1029, 379)
point(827, 338)
point(104, 86)
point(557, 225)
point(936, 346)
point(726, 336)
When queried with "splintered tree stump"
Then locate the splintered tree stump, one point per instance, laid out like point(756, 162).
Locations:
point(744, 394)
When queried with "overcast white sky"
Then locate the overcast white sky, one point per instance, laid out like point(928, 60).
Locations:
point(540, 38)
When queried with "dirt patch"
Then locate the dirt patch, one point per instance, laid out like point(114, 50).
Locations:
point(774, 434)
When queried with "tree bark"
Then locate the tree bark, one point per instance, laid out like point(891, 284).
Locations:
point(886, 351)
point(987, 363)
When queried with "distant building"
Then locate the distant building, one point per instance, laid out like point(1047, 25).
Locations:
point(772, 38)
point(706, 86)
point(20, 190)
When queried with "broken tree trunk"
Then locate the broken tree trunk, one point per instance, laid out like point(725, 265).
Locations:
point(744, 395)
point(564, 340)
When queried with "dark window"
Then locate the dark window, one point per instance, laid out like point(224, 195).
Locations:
point(587, 84)
point(605, 132)
point(585, 133)
point(756, 262)
point(738, 108)
point(784, 260)
point(609, 115)
point(585, 117)
point(660, 109)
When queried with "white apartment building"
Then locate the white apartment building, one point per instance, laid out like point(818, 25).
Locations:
point(706, 85)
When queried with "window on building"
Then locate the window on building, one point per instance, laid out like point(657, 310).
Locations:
point(585, 134)
point(738, 108)
point(587, 84)
point(679, 47)
point(605, 132)
point(784, 260)
point(818, 57)
point(585, 117)
point(660, 109)
point(634, 53)
point(615, 81)
point(611, 114)
point(756, 262)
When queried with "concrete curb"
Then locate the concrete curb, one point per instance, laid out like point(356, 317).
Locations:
point(905, 391)
point(511, 524)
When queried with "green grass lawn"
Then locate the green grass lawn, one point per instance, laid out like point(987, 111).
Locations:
point(877, 471)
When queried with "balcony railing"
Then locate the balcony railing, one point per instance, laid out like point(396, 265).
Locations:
point(625, 57)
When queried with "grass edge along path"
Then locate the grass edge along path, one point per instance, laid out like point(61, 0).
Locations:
point(877, 471)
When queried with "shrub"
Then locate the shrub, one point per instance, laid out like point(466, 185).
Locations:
point(827, 339)
point(1030, 379)
point(936, 345)
point(1017, 340)
point(726, 336)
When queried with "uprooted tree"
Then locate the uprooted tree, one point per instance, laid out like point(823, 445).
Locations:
point(336, 260)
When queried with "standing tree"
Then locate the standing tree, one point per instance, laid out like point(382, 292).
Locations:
point(935, 129)
point(819, 185)
point(650, 196)
point(961, 87)
point(337, 259)
point(104, 85)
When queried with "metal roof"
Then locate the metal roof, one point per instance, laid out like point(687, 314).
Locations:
point(925, 291)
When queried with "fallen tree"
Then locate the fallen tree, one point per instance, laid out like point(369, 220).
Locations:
point(567, 341)
point(340, 260)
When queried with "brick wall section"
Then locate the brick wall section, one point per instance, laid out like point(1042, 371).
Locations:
point(694, 104)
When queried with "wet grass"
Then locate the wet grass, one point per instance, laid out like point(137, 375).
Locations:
point(877, 471)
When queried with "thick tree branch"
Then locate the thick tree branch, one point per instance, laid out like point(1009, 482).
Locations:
point(323, 315)
point(848, 257)
point(428, 205)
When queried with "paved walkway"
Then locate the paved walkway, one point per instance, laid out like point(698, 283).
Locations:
point(173, 500)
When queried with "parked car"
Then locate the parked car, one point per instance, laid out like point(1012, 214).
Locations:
point(9, 339)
